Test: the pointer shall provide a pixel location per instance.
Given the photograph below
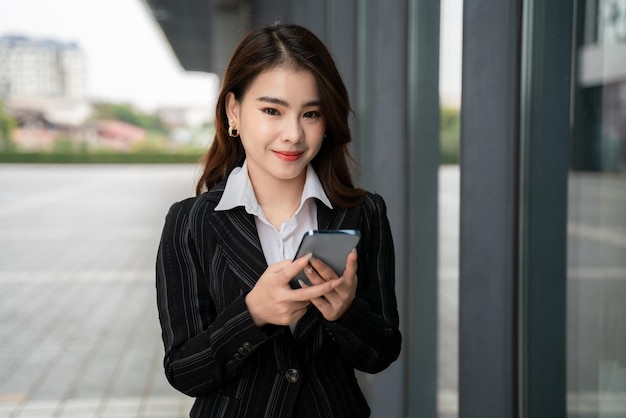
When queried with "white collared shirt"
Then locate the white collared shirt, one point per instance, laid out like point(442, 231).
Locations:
point(277, 245)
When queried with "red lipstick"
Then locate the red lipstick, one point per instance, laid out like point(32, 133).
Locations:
point(288, 156)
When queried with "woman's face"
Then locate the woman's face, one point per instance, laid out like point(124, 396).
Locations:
point(280, 123)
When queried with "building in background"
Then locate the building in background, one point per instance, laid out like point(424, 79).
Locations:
point(43, 84)
point(41, 68)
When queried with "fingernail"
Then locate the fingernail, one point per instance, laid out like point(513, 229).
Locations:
point(309, 256)
point(302, 284)
point(354, 251)
point(308, 269)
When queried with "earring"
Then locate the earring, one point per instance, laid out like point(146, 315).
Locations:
point(232, 132)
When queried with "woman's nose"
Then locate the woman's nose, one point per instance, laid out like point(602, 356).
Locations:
point(292, 130)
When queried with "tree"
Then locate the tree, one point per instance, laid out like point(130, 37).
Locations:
point(450, 133)
point(127, 113)
point(7, 125)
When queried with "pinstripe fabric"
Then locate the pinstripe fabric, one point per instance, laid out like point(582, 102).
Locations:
point(208, 261)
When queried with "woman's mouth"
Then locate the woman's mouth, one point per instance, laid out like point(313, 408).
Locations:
point(288, 156)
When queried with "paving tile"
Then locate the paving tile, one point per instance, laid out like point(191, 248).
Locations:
point(78, 321)
point(9, 404)
point(80, 408)
point(39, 409)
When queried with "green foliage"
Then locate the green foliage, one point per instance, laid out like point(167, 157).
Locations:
point(75, 147)
point(64, 144)
point(100, 157)
point(152, 144)
point(450, 135)
point(7, 125)
point(127, 113)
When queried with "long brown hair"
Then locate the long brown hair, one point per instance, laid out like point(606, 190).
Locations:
point(291, 46)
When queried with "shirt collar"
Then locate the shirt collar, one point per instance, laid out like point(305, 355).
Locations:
point(239, 191)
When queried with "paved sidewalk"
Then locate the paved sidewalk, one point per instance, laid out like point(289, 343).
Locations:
point(79, 333)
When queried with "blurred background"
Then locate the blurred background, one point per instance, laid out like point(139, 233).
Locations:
point(95, 79)
point(101, 128)
point(101, 78)
point(100, 131)
point(510, 228)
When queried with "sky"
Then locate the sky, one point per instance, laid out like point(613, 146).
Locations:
point(450, 40)
point(129, 59)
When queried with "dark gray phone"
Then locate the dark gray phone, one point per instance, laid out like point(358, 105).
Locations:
point(332, 246)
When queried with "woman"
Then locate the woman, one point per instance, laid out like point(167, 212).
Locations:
point(237, 336)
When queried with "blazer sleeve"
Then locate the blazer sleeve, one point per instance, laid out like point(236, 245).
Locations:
point(202, 347)
point(368, 334)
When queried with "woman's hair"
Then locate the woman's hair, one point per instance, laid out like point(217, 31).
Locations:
point(294, 47)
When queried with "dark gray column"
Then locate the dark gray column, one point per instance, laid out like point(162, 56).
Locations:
point(514, 159)
point(341, 38)
point(488, 231)
point(266, 12)
point(422, 195)
point(545, 139)
point(381, 142)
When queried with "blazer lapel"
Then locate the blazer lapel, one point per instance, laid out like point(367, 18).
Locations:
point(324, 215)
point(338, 218)
point(237, 237)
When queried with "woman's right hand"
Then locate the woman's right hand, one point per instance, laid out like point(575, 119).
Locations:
point(273, 301)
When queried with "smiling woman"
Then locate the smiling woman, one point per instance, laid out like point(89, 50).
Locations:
point(296, 51)
point(237, 336)
point(281, 128)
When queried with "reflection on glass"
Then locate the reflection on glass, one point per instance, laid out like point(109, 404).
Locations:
point(596, 346)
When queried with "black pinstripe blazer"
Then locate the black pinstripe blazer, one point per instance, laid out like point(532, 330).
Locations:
point(208, 261)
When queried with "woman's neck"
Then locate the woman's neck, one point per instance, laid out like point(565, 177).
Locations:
point(279, 199)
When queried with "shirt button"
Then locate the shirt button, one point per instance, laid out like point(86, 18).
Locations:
point(292, 375)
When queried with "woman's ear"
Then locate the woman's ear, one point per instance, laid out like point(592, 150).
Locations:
point(232, 108)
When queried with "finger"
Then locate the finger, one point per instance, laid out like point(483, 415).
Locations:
point(347, 284)
point(316, 279)
point(351, 266)
point(291, 268)
point(312, 275)
point(323, 270)
point(322, 305)
point(309, 293)
point(279, 266)
point(322, 300)
point(330, 299)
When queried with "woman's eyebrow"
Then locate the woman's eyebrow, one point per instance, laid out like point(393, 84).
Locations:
point(281, 102)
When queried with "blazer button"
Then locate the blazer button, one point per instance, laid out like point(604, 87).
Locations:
point(292, 375)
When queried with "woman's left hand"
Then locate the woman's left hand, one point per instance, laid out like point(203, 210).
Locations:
point(334, 304)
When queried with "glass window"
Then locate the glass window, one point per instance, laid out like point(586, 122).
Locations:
point(596, 333)
point(449, 206)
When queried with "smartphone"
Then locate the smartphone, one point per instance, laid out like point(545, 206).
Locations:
point(332, 246)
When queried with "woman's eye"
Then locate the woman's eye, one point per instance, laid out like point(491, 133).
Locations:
point(312, 114)
point(271, 111)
